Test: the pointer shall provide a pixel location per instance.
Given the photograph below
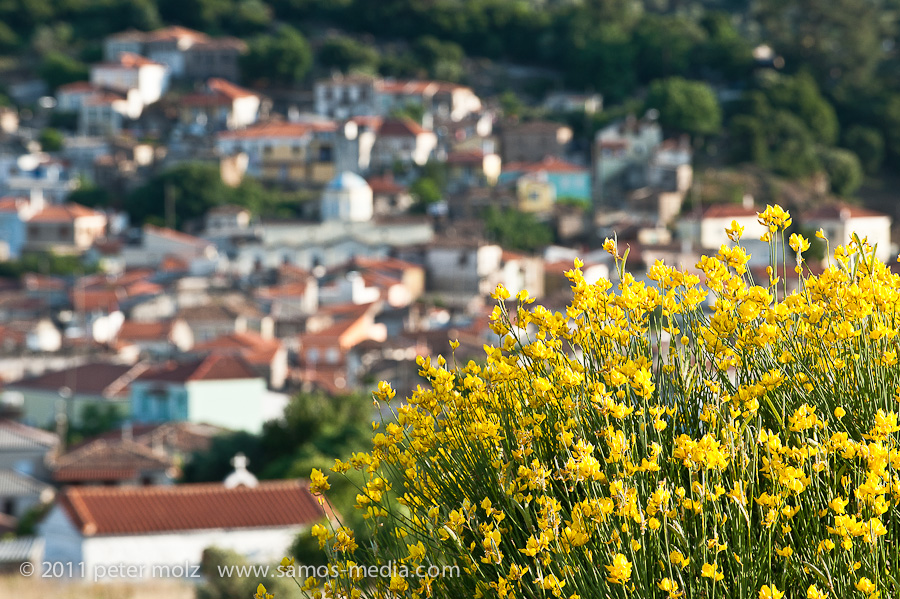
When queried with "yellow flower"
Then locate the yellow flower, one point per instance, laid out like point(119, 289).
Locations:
point(711, 571)
point(798, 243)
point(839, 412)
point(813, 592)
point(620, 570)
point(767, 592)
point(261, 593)
point(318, 482)
point(287, 565)
point(865, 585)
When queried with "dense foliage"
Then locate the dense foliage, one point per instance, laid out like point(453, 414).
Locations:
point(639, 445)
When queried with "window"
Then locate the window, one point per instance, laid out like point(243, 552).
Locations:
point(312, 356)
point(333, 356)
point(63, 232)
point(325, 154)
point(296, 150)
point(267, 150)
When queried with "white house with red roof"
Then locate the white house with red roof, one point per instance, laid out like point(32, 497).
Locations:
point(162, 530)
point(159, 243)
point(342, 97)
point(219, 389)
point(129, 71)
point(841, 220)
point(288, 152)
point(221, 105)
point(708, 229)
point(64, 228)
point(266, 355)
point(187, 53)
point(402, 140)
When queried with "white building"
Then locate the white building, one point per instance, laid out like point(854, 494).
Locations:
point(841, 221)
point(709, 229)
point(347, 198)
point(345, 97)
point(132, 72)
point(158, 243)
point(404, 141)
point(162, 530)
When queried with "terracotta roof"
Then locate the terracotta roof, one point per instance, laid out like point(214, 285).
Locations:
point(77, 87)
point(11, 204)
point(550, 164)
point(176, 236)
point(172, 263)
point(392, 86)
point(63, 213)
point(129, 60)
point(94, 300)
point(205, 99)
point(144, 331)
point(252, 347)
point(36, 282)
point(466, 157)
point(728, 211)
point(279, 129)
point(174, 33)
point(229, 89)
point(15, 436)
point(181, 437)
point(108, 460)
point(385, 185)
point(840, 211)
point(214, 367)
point(108, 380)
point(219, 43)
point(400, 128)
point(142, 510)
point(103, 97)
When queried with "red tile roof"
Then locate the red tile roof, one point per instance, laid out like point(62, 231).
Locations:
point(252, 347)
point(144, 331)
point(11, 204)
point(466, 157)
point(410, 87)
point(107, 380)
point(840, 211)
point(279, 129)
point(215, 367)
point(130, 60)
point(104, 460)
point(94, 300)
point(728, 211)
point(229, 89)
point(400, 128)
point(174, 33)
point(143, 510)
point(176, 236)
point(385, 185)
point(550, 164)
point(77, 87)
point(64, 213)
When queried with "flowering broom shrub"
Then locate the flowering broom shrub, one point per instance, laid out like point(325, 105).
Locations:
point(643, 445)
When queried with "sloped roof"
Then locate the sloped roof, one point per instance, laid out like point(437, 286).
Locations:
point(108, 460)
point(16, 484)
point(840, 211)
point(728, 211)
point(143, 510)
point(279, 129)
point(253, 347)
point(215, 367)
point(228, 89)
point(22, 549)
point(178, 236)
point(400, 128)
point(108, 380)
point(550, 164)
point(63, 213)
point(15, 436)
point(144, 331)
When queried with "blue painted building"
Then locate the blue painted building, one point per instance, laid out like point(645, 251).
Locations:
point(567, 179)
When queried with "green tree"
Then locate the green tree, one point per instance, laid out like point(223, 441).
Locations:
point(58, 69)
point(868, 145)
point(665, 46)
point(688, 106)
point(51, 140)
point(845, 173)
point(792, 148)
point(282, 59)
point(801, 96)
point(516, 230)
point(90, 195)
point(346, 54)
point(442, 60)
point(216, 586)
point(426, 192)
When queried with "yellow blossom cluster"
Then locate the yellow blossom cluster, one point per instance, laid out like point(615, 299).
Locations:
point(696, 435)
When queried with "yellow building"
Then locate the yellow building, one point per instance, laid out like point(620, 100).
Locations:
point(535, 193)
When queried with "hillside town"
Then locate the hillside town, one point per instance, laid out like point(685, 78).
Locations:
point(387, 210)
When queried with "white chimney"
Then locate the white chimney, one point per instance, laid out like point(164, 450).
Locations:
point(241, 477)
